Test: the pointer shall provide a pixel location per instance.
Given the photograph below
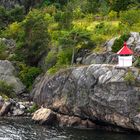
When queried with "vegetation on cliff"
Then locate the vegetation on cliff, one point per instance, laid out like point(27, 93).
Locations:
point(56, 30)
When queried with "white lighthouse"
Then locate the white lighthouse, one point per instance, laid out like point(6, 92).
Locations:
point(125, 56)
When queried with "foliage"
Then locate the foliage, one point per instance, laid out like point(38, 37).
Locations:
point(112, 15)
point(6, 89)
point(51, 58)
point(121, 5)
point(3, 54)
point(119, 42)
point(28, 74)
point(130, 17)
point(60, 29)
point(33, 108)
point(137, 62)
point(9, 16)
point(31, 36)
point(129, 77)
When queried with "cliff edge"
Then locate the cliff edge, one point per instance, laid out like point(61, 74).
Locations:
point(100, 93)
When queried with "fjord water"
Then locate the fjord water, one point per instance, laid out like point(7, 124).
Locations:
point(24, 129)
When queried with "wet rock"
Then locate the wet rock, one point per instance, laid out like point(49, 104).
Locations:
point(44, 116)
point(5, 108)
point(1, 102)
point(17, 112)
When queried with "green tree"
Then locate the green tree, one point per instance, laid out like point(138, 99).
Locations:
point(34, 40)
point(121, 5)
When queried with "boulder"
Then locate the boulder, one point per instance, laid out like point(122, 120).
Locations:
point(1, 102)
point(105, 57)
point(5, 108)
point(17, 112)
point(109, 44)
point(44, 116)
point(98, 92)
point(8, 74)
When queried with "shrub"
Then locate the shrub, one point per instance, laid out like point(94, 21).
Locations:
point(28, 74)
point(56, 68)
point(130, 17)
point(9, 16)
point(16, 14)
point(33, 108)
point(112, 15)
point(51, 59)
point(6, 89)
point(119, 42)
point(137, 62)
point(31, 36)
point(3, 54)
point(129, 77)
point(64, 57)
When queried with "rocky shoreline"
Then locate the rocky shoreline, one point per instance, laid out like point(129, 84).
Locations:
point(13, 108)
point(103, 94)
point(97, 96)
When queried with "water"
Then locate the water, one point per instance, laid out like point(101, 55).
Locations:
point(24, 129)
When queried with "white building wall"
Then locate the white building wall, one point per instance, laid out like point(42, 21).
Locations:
point(125, 61)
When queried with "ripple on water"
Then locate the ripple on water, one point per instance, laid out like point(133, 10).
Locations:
point(24, 129)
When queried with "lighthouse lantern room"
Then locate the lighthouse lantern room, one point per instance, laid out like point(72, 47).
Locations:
point(125, 56)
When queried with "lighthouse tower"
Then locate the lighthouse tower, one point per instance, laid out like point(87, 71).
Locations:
point(125, 56)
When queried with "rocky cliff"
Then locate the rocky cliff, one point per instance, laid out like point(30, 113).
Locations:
point(9, 75)
point(103, 94)
point(108, 57)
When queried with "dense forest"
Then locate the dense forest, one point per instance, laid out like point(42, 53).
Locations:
point(50, 34)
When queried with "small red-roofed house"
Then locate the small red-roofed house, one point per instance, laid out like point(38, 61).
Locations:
point(125, 56)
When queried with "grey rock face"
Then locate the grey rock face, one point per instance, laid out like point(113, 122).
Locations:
point(8, 74)
point(109, 57)
point(106, 57)
point(109, 44)
point(5, 108)
point(96, 92)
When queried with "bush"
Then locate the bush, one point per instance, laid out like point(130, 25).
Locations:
point(112, 15)
point(28, 74)
point(64, 57)
point(130, 17)
point(118, 44)
point(51, 59)
point(6, 89)
point(16, 14)
point(31, 36)
point(137, 62)
point(9, 16)
point(129, 78)
point(33, 108)
point(3, 54)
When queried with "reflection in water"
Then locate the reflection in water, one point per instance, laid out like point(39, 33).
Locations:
point(24, 129)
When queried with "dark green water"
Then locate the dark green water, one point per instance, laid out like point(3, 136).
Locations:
point(23, 129)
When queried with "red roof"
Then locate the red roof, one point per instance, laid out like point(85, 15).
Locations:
point(125, 50)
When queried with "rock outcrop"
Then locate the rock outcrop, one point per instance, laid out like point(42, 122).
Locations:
point(104, 94)
point(44, 116)
point(108, 57)
point(12, 107)
point(8, 74)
